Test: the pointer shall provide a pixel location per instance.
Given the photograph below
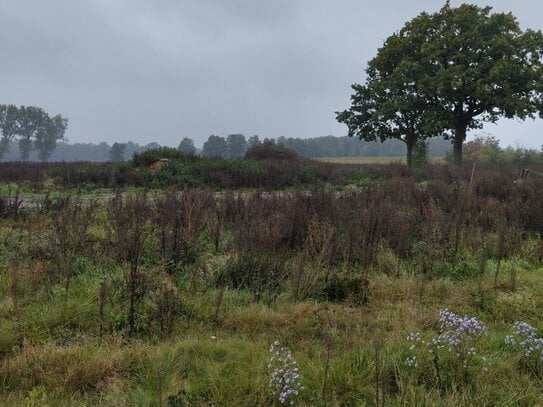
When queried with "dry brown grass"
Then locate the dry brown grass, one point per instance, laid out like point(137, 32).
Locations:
point(83, 368)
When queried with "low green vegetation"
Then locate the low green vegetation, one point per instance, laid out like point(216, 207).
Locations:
point(266, 167)
point(401, 290)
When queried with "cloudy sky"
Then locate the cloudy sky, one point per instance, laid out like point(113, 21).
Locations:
point(161, 70)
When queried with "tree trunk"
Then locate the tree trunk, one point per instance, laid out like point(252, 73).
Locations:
point(410, 154)
point(4, 146)
point(459, 137)
point(25, 145)
point(410, 142)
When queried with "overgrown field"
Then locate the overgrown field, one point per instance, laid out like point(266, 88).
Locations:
point(268, 167)
point(403, 289)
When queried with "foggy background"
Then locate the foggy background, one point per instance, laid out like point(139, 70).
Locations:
point(162, 70)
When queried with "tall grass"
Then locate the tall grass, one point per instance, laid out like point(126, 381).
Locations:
point(173, 299)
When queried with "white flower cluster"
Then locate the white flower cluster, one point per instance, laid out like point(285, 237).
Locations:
point(525, 336)
point(285, 380)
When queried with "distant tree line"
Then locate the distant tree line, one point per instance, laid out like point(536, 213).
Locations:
point(231, 146)
point(235, 145)
point(100, 152)
point(32, 129)
point(481, 148)
point(330, 146)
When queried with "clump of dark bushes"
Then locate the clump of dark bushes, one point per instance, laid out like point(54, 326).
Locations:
point(148, 157)
point(270, 151)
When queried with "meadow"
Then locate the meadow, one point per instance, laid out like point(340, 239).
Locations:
point(385, 286)
point(362, 160)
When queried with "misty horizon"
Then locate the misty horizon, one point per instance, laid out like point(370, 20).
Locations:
point(162, 71)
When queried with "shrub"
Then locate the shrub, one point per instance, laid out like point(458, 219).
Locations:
point(177, 173)
point(346, 286)
point(263, 274)
point(269, 151)
point(129, 230)
point(180, 218)
point(150, 156)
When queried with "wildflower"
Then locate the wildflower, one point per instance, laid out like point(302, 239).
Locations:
point(285, 380)
point(411, 361)
point(456, 335)
point(525, 337)
point(456, 331)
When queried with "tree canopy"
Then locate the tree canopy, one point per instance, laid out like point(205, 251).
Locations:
point(448, 72)
point(215, 146)
point(116, 152)
point(236, 145)
point(187, 146)
point(33, 128)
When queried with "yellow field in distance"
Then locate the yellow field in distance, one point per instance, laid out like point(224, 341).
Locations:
point(369, 160)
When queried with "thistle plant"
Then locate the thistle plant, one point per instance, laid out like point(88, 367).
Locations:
point(456, 338)
point(285, 380)
point(525, 337)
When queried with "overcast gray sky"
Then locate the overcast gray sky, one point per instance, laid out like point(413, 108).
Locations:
point(161, 70)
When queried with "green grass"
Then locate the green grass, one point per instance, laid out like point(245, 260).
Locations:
point(202, 365)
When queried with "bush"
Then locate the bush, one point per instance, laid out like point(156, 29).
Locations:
point(150, 156)
point(346, 286)
point(177, 173)
point(263, 274)
point(269, 151)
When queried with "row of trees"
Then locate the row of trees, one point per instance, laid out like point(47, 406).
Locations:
point(327, 146)
point(32, 128)
point(330, 146)
point(445, 73)
point(235, 145)
point(231, 146)
point(84, 151)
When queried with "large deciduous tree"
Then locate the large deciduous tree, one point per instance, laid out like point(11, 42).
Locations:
point(215, 146)
point(253, 140)
point(390, 105)
point(446, 73)
point(48, 134)
point(9, 115)
point(30, 119)
point(236, 145)
point(116, 152)
point(33, 128)
point(187, 146)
